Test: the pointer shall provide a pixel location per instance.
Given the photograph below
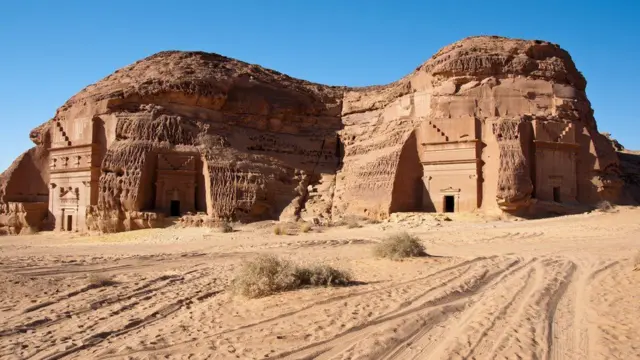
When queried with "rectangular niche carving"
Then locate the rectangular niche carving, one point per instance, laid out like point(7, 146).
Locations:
point(176, 183)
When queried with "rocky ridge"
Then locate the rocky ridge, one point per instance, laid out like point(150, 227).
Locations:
point(268, 146)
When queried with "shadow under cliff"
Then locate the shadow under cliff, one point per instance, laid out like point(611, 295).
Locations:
point(630, 167)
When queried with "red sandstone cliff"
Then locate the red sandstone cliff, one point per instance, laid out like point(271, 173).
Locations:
point(487, 123)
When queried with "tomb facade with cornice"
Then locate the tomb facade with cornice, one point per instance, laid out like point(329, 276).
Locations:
point(74, 168)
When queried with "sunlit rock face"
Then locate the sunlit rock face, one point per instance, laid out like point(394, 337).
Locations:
point(487, 123)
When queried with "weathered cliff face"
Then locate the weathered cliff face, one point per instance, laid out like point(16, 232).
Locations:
point(486, 123)
point(524, 105)
point(257, 137)
point(24, 188)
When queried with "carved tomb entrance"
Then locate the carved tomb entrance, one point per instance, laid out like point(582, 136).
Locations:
point(176, 183)
point(449, 203)
point(68, 205)
point(175, 207)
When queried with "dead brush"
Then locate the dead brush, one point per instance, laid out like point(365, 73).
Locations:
point(29, 230)
point(267, 275)
point(279, 229)
point(305, 227)
point(400, 246)
point(605, 206)
point(636, 262)
point(100, 280)
point(225, 227)
point(354, 221)
point(323, 275)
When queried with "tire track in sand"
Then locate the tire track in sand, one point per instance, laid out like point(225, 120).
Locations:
point(432, 306)
point(408, 290)
point(483, 318)
point(513, 320)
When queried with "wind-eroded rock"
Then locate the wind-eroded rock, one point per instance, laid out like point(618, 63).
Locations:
point(486, 123)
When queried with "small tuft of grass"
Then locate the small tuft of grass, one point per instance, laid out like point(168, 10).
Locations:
point(29, 230)
point(279, 230)
point(305, 227)
point(225, 227)
point(636, 262)
point(400, 246)
point(605, 206)
point(267, 275)
point(352, 223)
point(355, 221)
point(100, 280)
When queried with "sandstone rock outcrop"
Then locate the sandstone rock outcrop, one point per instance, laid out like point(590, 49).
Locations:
point(488, 123)
point(630, 167)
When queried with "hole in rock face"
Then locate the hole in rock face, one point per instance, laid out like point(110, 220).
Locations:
point(556, 194)
point(69, 222)
point(175, 208)
point(449, 204)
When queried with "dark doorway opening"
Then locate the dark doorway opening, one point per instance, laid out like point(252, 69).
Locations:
point(556, 194)
point(69, 222)
point(175, 208)
point(449, 203)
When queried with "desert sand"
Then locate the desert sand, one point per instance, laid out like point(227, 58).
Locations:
point(558, 288)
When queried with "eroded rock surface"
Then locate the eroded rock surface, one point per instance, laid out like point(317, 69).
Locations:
point(488, 123)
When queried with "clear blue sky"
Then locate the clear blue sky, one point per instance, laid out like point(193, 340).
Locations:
point(49, 50)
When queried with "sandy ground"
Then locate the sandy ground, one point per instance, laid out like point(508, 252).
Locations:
point(562, 288)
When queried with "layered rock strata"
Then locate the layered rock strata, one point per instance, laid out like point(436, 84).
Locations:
point(488, 123)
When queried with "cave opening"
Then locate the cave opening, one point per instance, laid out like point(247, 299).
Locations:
point(449, 204)
point(175, 208)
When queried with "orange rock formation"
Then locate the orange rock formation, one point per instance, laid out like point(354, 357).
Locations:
point(488, 123)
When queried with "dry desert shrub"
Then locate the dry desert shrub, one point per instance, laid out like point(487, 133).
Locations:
point(400, 246)
point(323, 275)
point(305, 227)
point(279, 230)
point(636, 262)
point(267, 275)
point(108, 226)
point(353, 223)
point(605, 206)
point(225, 227)
point(371, 221)
point(100, 280)
point(29, 230)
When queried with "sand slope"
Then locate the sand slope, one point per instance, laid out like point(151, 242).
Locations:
point(562, 288)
